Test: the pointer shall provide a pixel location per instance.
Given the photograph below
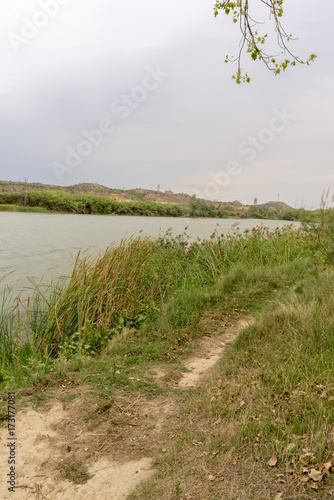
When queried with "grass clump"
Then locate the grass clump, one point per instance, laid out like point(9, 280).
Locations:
point(75, 471)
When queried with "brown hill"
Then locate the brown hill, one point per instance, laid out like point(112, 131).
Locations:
point(165, 197)
point(275, 204)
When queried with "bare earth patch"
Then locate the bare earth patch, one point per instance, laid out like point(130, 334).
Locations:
point(115, 456)
point(41, 446)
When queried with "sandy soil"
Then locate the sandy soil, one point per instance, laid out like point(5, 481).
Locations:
point(40, 447)
point(116, 462)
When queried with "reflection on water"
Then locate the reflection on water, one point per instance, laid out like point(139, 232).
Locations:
point(44, 245)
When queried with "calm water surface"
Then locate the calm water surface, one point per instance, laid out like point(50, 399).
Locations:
point(43, 245)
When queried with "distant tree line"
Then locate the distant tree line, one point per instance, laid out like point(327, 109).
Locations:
point(64, 202)
point(288, 214)
point(60, 201)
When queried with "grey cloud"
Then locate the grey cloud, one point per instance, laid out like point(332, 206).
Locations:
point(190, 126)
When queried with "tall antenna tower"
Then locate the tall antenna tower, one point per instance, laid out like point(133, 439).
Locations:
point(158, 193)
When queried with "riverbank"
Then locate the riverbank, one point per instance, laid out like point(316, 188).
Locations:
point(122, 330)
point(22, 208)
point(64, 202)
point(43, 246)
point(128, 283)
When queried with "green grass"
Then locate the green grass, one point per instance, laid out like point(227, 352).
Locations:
point(131, 354)
point(271, 394)
point(295, 340)
point(128, 285)
point(21, 208)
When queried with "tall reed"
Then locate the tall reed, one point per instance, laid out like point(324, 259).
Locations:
point(131, 280)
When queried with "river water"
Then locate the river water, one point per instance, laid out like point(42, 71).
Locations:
point(43, 245)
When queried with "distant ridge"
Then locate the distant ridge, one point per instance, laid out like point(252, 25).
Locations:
point(138, 194)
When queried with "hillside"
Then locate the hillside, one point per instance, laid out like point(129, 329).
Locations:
point(279, 205)
point(164, 197)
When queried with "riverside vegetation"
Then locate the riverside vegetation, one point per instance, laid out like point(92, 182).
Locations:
point(266, 410)
point(65, 202)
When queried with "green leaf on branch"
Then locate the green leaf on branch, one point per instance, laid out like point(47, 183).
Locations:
point(253, 42)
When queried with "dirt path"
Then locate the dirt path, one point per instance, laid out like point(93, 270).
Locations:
point(210, 351)
point(116, 462)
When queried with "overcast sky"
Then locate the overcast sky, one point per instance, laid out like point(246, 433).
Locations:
point(151, 76)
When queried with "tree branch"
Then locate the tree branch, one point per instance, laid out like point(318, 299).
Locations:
point(251, 41)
